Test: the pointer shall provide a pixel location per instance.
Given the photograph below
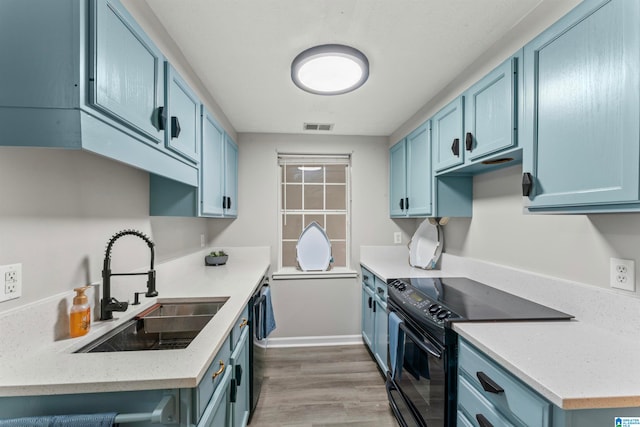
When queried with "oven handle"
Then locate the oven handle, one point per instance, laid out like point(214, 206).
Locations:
point(423, 345)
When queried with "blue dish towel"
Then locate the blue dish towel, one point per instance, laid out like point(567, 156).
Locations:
point(396, 343)
point(86, 420)
point(269, 318)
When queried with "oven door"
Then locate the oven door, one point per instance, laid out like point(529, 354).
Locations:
point(417, 387)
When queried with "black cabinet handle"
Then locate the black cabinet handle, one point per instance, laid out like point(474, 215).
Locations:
point(401, 204)
point(233, 394)
point(380, 291)
point(365, 278)
point(406, 203)
point(468, 142)
point(374, 307)
point(162, 118)
point(239, 374)
point(455, 147)
point(483, 421)
point(224, 202)
point(228, 202)
point(488, 384)
point(370, 301)
point(175, 127)
point(527, 184)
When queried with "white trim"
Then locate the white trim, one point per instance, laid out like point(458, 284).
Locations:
point(329, 340)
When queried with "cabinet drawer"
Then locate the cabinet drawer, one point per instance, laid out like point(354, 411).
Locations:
point(367, 278)
point(471, 402)
point(242, 322)
point(462, 420)
point(516, 401)
point(211, 379)
point(380, 289)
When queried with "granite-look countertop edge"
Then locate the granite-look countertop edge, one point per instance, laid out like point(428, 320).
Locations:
point(55, 369)
point(572, 364)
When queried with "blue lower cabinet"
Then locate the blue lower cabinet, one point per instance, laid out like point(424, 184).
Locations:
point(381, 341)
point(240, 399)
point(217, 413)
point(368, 318)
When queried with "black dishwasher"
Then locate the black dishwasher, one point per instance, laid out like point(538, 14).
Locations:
point(258, 349)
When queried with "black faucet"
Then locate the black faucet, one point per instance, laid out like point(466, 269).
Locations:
point(109, 304)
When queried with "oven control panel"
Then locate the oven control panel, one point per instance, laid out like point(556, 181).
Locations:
point(418, 303)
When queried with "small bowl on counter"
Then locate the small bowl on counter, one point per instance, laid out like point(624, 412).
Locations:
point(216, 258)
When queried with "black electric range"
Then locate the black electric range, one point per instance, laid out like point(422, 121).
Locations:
point(422, 380)
point(435, 303)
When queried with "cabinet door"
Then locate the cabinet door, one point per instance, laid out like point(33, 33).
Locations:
point(582, 107)
point(397, 179)
point(367, 317)
point(447, 129)
point(419, 171)
point(381, 342)
point(490, 112)
point(217, 413)
point(231, 177)
point(212, 167)
point(126, 75)
point(240, 381)
point(182, 127)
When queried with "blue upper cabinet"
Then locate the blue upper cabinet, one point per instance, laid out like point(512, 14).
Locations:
point(182, 121)
point(212, 167)
point(92, 80)
point(410, 175)
point(230, 177)
point(489, 139)
point(582, 97)
point(397, 179)
point(126, 75)
point(490, 112)
point(447, 129)
point(418, 201)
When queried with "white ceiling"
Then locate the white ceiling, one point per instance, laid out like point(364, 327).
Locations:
point(242, 52)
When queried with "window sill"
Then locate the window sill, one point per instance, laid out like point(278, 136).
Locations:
point(291, 273)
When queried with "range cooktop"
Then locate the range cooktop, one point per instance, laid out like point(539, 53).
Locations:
point(444, 300)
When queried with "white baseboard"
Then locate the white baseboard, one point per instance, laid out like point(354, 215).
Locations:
point(314, 341)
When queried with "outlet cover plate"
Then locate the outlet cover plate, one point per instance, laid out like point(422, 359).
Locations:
point(10, 282)
point(622, 274)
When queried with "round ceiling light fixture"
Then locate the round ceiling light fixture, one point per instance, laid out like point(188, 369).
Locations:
point(330, 69)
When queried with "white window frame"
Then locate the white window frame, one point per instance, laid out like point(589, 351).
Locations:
point(309, 159)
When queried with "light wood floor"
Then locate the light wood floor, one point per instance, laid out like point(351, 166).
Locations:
point(322, 386)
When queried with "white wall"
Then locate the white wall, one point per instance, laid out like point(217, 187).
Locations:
point(59, 208)
point(573, 247)
point(335, 304)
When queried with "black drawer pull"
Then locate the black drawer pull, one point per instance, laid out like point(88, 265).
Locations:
point(488, 384)
point(175, 127)
point(483, 421)
point(401, 204)
point(370, 301)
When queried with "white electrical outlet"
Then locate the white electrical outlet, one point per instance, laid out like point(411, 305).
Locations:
point(397, 237)
point(622, 274)
point(12, 275)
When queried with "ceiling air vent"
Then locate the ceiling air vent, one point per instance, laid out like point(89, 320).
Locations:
point(323, 127)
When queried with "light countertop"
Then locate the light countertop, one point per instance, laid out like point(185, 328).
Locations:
point(53, 368)
point(588, 363)
point(572, 364)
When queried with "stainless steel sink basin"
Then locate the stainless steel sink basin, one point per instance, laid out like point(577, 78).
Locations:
point(164, 326)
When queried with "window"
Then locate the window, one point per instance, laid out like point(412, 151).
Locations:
point(314, 188)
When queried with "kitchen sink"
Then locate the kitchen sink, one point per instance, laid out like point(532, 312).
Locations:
point(164, 326)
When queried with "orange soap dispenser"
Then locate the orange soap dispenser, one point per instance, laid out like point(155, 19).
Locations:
point(80, 314)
